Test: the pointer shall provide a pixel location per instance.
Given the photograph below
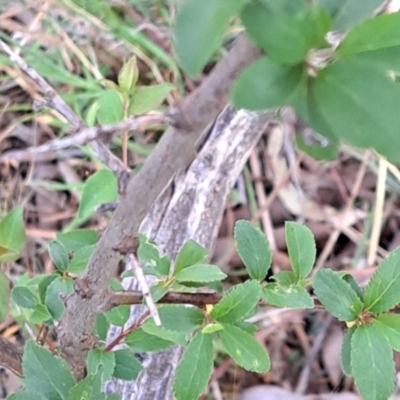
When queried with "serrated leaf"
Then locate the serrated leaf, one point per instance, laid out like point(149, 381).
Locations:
point(237, 302)
point(211, 328)
point(389, 326)
point(127, 366)
point(12, 235)
point(346, 13)
point(149, 253)
point(173, 336)
point(266, 84)
point(372, 363)
point(76, 239)
point(377, 33)
point(336, 295)
point(104, 361)
point(191, 253)
point(244, 349)
point(253, 249)
point(293, 296)
point(24, 297)
point(119, 315)
point(285, 278)
point(194, 369)
point(350, 87)
point(46, 373)
point(110, 109)
point(128, 75)
point(382, 292)
point(177, 317)
point(40, 315)
point(60, 286)
point(301, 247)
point(201, 273)
point(199, 29)
point(88, 388)
point(100, 188)
point(81, 259)
point(141, 341)
point(353, 283)
point(285, 36)
point(59, 255)
point(148, 98)
point(345, 356)
point(4, 295)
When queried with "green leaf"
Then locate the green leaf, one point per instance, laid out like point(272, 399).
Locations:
point(285, 278)
point(336, 295)
point(389, 326)
point(4, 295)
point(81, 259)
point(293, 296)
point(100, 188)
point(159, 290)
point(285, 36)
point(24, 297)
point(25, 395)
point(374, 34)
point(59, 255)
point(199, 30)
point(128, 75)
point(316, 151)
point(53, 301)
point(148, 98)
point(77, 239)
point(253, 248)
point(149, 253)
point(244, 349)
point(237, 302)
point(12, 235)
point(127, 366)
point(46, 373)
point(119, 315)
point(173, 336)
point(301, 247)
point(372, 363)
point(350, 88)
point(201, 273)
point(352, 282)
point(44, 284)
point(104, 361)
point(266, 84)
point(346, 13)
point(191, 253)
point(141, 341)
point(110, 109)
point(194, 369)
point(345, 357)
point(211, 328)
point(382, 292)
point(87, 389)
point(102, 326)
point(40, 315)
point(177, 317)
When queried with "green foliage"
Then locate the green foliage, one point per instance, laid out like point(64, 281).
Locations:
point(292, 296)
point(12, 235)
point(142, 341)
point(253, 249)
point(190, 254)
point(389, 326)
point(346, 352)
point(180, 318)
point(4, 295)
point(149, 254)
point(99, 360)
point(118, 315)
point(110, 108)
point(148, 98)
point(200, 273)
point(127, 366)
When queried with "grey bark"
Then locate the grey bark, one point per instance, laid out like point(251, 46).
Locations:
point(193, 209)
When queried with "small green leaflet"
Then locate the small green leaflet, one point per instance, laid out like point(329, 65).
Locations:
point(200, 273)
point(46, 373)
point(59, 255)
point(372, 363)
point(266, 84)
point(301, 246)
point(253, 248)
point(40, 315)
point(237, 302)
point(149, 253)
point(389, 326)
point(80, 259)
point(244, 349)
point(336, 295)
point(87, 389)
point(24, 297)
point(53, 302)
point(4, 295)
point(191, 253)
point(345, 358)
point(98, 359)
point(199, 29)
point(148, 98)
point(194, 369)
point(382, 292)
point(293, 296)
point(25, 395)
point(141, 341)
point(174, 336)
point(76, 239)
point(118, 315)
point(12, 235)
point(128, 75)
point(102, 326)
point(100, 188)
point(110, 108)
point(177, 317)
point(127, 366)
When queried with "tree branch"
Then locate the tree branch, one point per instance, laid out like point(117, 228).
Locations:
point(174, 151)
